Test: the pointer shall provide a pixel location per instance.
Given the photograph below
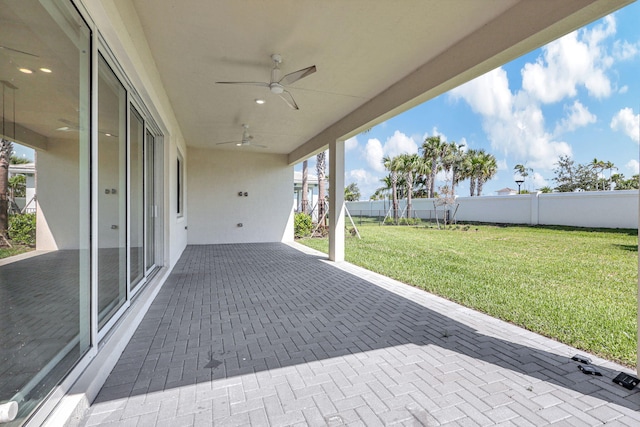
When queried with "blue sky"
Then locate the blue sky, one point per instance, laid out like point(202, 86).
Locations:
point(579, 96)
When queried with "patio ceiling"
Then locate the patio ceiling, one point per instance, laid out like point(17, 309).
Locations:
point(374, 59)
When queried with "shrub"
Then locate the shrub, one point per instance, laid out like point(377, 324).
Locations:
point(409, 221)
point(22, 229)
point(302, 225)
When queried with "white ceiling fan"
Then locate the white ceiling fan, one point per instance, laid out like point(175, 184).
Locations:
point(10, 49)
point(278, 84)
point(247, 140)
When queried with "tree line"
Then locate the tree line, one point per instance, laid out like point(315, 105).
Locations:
point(414, 175)
point(590, 176)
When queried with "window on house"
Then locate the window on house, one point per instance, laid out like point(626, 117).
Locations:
point(180, 185)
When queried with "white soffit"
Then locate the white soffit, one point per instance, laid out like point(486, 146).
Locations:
point(374, 58)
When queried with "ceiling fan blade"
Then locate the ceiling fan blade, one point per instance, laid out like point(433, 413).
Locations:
point(288, 98)
point(19, 51)
point(259, 146)
point(262, 84)
point(297, 75)
point(228, 142)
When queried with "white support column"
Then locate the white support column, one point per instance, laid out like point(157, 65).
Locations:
point(336, 201)
point(638, 303)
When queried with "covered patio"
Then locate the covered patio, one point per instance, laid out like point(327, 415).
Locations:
point(273, 334)
point(165, 136)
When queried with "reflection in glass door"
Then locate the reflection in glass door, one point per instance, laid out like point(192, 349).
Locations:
point(111, 235)
point(44, 116)
point(136, 198)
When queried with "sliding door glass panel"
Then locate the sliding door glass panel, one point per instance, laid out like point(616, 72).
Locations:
point(150, 205)
point(45, 291)
point(136, 197)
point(111, 164)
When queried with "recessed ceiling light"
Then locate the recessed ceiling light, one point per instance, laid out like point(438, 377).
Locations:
point(260, 101)
point(25, 70)
point(45, 70)
point(239, 144)
point(107, 134)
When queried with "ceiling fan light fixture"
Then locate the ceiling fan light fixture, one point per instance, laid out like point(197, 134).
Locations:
point(260, 101)
point(276, 88)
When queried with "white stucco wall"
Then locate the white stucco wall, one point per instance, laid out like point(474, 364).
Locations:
point(58, 216)
point(514, 209)
point(605, 209)
point(214, 179)
point(608, 209)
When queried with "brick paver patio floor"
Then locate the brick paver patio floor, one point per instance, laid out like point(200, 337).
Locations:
point(273, 334)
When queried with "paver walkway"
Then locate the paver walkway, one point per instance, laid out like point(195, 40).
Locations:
point(272, 334)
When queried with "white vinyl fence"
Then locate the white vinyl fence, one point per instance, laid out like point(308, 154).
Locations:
point(605, 209)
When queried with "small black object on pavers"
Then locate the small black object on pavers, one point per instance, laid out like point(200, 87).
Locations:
point(582, 359)
point(627, 381)
point(589, 370)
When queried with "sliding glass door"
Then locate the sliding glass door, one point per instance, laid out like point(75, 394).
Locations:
point(136, 198)
point(45, 92)
point(112, 193)
point(150, 202)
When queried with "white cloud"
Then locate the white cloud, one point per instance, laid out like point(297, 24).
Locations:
point(373, 154)
point(398, 143)
point(623, 89)
point(623, 50)
point(577, 116)
point(367, 182)
point(488, 95)
point(502, 165)
point(351, 144)
point(538, 181)
point(633, 166)
point(577, 59)
point(626, 122)
point(514, 124)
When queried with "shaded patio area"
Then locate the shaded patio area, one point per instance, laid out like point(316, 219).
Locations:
point(273, 334)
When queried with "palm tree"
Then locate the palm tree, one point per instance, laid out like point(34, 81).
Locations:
point(432, 152)
point(320, 169)
point(6, 149)
point(411, 165)
point(452, 161)
point(598, 167)
point(487, 169)
point(393, 165)
point(17, 186)
point(609, 165)
point(468, 169)
point(305, 188)
point(523, 171)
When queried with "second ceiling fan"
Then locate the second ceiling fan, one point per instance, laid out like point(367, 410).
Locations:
point(277, 85)
point(246, 141)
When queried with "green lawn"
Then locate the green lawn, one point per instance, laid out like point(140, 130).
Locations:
point(15, 250)
point(576, 285)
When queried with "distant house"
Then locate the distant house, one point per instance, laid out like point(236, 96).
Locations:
point(27, 203)
point(507, 192)
point(312, 196)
